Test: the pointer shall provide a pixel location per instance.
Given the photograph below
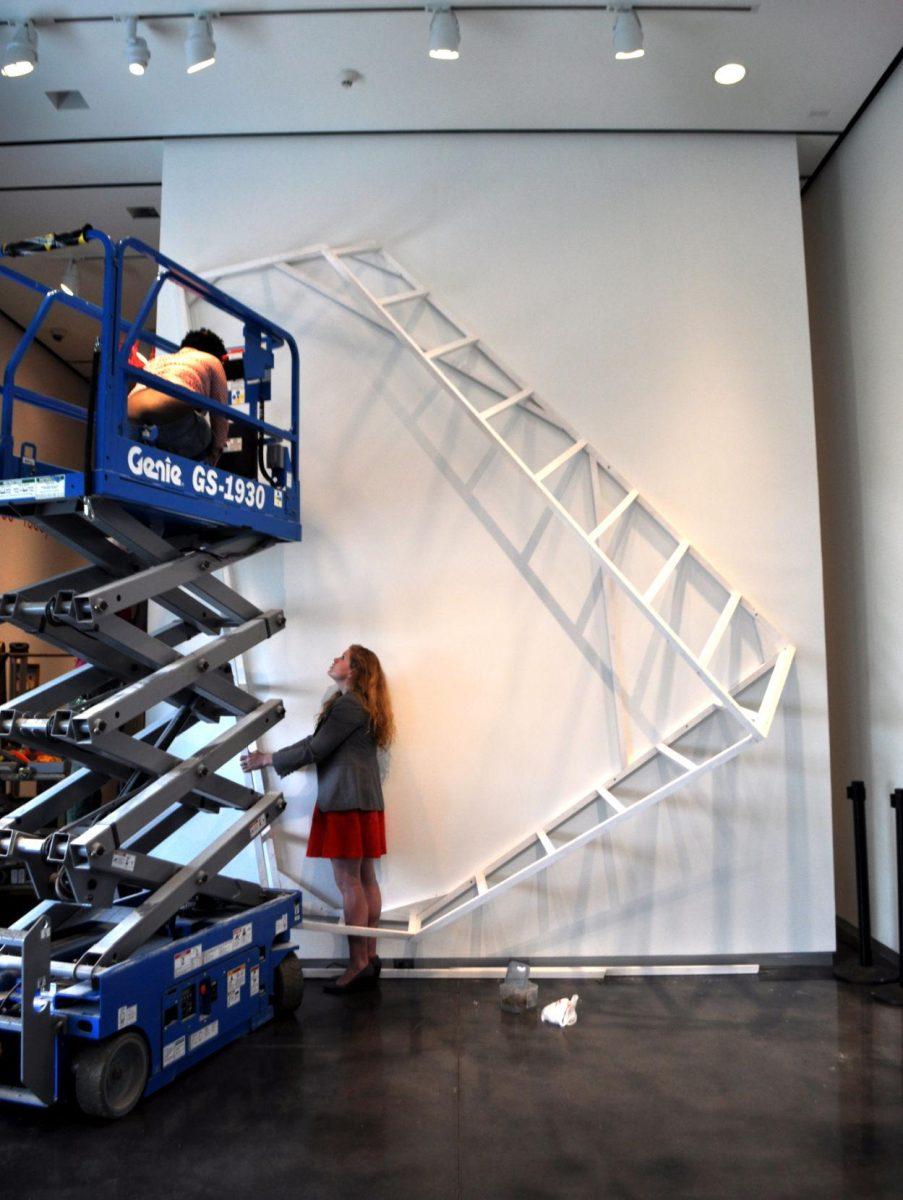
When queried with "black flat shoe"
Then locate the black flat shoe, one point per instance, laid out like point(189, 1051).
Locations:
point(363, 981)
point(377, 964)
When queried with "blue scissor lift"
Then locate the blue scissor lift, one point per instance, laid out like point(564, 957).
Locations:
point(132, 967)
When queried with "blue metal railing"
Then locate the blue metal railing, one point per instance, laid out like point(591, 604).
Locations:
point(110, 434)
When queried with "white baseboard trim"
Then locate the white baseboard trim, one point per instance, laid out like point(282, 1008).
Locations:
point(562, 972)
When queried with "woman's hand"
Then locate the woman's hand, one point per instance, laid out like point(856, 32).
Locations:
point(253, 760)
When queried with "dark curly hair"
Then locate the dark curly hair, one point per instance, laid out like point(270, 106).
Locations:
point(206, 340)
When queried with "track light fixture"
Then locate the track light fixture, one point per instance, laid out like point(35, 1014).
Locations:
point(136, 49)
point(70, 281)
point(200, 48)
point(445, 35)
point(628, 33)
point(20, 55)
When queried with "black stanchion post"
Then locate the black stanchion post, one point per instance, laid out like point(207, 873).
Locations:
point(893, 992)
point(864, 971)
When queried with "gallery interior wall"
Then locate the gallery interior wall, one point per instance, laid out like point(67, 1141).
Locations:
point(854, 253)
point(652, 288)
point(28, 554)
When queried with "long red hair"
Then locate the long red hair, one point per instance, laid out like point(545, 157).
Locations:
point(368, 682)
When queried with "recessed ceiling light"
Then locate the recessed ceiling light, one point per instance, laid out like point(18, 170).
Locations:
point(445, 34)
point(136, 49)
point(730, 73)
point(20, 55)
point(200, 48)
point(627, 34)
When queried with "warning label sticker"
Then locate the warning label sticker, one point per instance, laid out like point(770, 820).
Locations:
point(187, 960)
point(255, 980)
point(127, 1015)
point(282, 923)
point(38, 487)
point(173, 1051)
point(203, 1035)
point(241, 937)
point(125, 862)
point(235, 981)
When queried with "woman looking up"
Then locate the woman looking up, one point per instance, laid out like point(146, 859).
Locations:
point(348, 824)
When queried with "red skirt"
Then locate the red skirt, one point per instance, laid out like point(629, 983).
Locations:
point(351, 834)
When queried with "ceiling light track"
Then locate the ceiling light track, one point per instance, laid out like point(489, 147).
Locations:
point(357, 9)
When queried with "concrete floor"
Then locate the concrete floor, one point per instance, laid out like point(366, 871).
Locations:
point(724, 1087)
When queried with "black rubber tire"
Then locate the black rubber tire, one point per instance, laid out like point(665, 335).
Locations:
point(288, 986)
point(110, 1076)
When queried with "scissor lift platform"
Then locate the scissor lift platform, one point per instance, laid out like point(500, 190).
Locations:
point(133, 966)
point(121, 461)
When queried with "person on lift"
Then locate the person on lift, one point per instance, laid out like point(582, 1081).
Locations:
point(181, 429)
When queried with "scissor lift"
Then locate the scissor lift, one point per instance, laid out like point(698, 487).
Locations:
point(132, 967)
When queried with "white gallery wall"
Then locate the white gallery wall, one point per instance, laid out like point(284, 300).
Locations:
point(854, 253)
point(652, 289)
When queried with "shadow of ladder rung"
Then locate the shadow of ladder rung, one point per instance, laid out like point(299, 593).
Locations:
point(479, 888)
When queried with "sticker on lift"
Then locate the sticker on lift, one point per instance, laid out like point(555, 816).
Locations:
point(255, 980)
point(38, 487)
point(127, 1015)
point(235, 981)
point(241, 936)
point(124, 862)
point(256, 826)
point(203, 1035)
point(173, 1051)
point(282, 923)
point(277, 498)
point(187, 960)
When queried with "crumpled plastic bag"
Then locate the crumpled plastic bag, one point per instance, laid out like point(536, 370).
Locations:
point(561, 1012)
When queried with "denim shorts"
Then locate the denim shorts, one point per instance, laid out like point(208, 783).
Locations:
point(189, 435)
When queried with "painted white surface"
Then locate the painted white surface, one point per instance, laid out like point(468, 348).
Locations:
point(653, 289)
point(854, 251)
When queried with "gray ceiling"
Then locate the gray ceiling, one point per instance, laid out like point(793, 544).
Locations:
point(811, 64)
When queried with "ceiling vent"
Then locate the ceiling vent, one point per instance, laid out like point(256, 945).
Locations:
point(144, 212)
point(66, 100)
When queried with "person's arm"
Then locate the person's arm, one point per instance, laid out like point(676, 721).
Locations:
point(219, 423)
point(345, 716)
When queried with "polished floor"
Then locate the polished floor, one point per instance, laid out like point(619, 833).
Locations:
point(725, 1087)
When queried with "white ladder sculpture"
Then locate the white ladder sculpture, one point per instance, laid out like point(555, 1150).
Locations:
point(603, 809)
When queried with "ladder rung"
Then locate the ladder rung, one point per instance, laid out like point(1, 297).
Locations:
point(666, 572)
point(615, 514)
point(562, 458)
point(612, 800)
point(545, 841)
point(400, 297)
point(682, 761)
point(458, 344)
point(720, 628)
point(508, 402)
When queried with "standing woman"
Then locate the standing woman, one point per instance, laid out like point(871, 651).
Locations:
point(348, 824)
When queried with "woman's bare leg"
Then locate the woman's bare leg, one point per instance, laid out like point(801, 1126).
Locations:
point(374, 900)
point(347, 873)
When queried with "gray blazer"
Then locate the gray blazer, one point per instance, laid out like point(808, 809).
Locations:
point(344, 750)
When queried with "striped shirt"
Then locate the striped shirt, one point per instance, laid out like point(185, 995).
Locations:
point(192, 369)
